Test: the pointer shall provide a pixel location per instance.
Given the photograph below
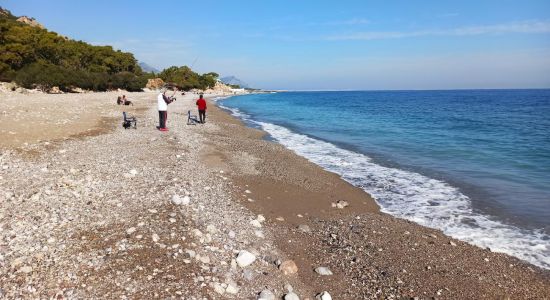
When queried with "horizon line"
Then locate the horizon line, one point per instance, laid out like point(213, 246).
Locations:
point(403, 90)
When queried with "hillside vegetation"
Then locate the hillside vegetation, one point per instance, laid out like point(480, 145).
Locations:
point(34, 57)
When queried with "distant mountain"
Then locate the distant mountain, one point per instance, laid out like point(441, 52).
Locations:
point(147, 68)
point(232, 80)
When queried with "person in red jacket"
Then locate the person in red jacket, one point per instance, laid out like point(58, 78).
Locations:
point(201, 104)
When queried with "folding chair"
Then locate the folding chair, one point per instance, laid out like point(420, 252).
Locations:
point(192, 119)
point(129, 121)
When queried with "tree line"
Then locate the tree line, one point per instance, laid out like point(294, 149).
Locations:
point(37, 58)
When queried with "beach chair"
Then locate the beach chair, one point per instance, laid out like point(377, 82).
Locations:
point(192, 119)
point(129, 121)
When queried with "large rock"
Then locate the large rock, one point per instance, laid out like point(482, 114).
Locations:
point(323, 296)
point(291, 296)
point(323, 271)
point(288, 267)
point(232, 289)
point(55, 90)
point(154, 83)
point(266, 295)
point(245, 258)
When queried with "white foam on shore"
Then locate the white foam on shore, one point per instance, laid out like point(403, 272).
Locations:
point(412, 196)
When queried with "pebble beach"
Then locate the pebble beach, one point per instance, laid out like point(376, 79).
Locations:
point(90, 210)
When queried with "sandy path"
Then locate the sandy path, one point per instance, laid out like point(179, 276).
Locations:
point(31, 118)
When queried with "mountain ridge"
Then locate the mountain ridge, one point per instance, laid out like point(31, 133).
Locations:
point(148, 68)
point(232, 80)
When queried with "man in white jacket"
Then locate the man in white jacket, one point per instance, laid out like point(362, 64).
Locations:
point(163, 101)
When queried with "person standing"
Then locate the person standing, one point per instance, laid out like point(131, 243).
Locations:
point(163, 101)
point(201, 104)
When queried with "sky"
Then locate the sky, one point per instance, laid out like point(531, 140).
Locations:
point(322, 45)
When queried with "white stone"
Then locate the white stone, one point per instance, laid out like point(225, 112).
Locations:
point(256, 223)
point(232, 234)
point(26, 269)
point(218, 288)
point(232, 289)
point(248, 192)
point(266, 295)
point(176, 199)
point(186, 200)
point(323, 296)
point(291, 296)
point(260, 218)
point(203, 259)
point(155, 237)
point(130, 230)
point(342, 204)
point(259, 234)
point(323, 271)
point(191, 253)
point(245, 258)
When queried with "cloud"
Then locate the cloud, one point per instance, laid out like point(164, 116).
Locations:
point(515, 27)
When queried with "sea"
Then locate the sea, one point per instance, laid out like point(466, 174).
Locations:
point(472, 163)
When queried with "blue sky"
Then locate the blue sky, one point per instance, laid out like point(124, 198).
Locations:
point(322, 44)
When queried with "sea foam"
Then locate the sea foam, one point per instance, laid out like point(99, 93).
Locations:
point(415, 197)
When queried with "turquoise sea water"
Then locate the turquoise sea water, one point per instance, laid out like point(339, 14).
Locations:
point(473, 163)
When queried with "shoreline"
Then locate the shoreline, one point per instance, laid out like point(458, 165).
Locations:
point(371, 172)
point(144, 214)
point(329, 219)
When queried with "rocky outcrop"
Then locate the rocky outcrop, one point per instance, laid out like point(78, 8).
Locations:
point(154, 84)
point(219, 88)
point(30, 21)
point(5, 12)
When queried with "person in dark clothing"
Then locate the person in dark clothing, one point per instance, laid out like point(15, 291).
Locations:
point(201, 104)
point(126, 101)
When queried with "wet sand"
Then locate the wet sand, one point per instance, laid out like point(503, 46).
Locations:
point(372, 254)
